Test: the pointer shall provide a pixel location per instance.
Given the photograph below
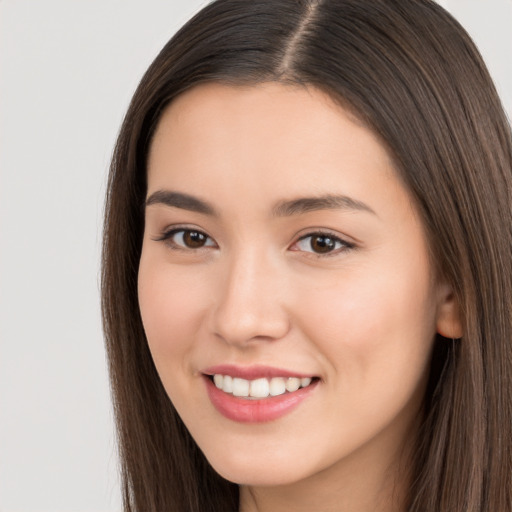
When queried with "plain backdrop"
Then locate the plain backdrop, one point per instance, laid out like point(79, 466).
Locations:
point(67, 71)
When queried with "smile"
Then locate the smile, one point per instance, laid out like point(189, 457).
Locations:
point(257, 394)
point(259, 388)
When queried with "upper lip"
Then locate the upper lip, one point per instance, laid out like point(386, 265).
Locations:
point(252, 372)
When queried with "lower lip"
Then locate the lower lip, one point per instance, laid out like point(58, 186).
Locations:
point(259, 410)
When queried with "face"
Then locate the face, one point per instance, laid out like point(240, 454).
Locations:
point(285, 286)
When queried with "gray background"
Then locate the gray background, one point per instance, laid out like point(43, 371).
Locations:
point(67, 71)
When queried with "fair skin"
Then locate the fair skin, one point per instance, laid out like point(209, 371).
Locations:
point(342, 291)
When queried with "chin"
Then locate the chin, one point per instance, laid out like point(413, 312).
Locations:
point(256, 478)
point(258, 471)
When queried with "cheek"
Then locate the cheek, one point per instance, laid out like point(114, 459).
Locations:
point(370, 324)
point(374, 334)
point(171, 310)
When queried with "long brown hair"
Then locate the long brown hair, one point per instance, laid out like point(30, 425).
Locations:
point(410, 72)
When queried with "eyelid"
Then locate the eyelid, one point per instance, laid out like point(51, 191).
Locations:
point(346, 244)
point(168, 233)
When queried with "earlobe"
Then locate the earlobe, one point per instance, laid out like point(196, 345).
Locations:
point(449, 321)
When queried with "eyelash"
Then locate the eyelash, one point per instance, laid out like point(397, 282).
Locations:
point(167, 237)
point(340, 245)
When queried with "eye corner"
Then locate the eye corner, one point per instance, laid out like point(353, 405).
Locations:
point(326, 244)
point(186, 238)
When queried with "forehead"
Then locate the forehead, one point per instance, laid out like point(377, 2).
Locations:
point(294, 100)
point(242, 131)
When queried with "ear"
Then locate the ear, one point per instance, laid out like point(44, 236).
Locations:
point(448, 322)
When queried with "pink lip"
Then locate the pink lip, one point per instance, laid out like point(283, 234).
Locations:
point(252, 372)
point(261, 410)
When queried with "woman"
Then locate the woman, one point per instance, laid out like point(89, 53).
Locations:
point(307, 265)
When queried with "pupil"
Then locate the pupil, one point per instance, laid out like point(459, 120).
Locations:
point(322, 244)
point(194, 239)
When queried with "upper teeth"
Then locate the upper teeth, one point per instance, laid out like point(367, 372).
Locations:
point(259, 388)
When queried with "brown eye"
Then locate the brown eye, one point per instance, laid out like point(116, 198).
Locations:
point(194, 239)
point(322, 243)
point(187, 239)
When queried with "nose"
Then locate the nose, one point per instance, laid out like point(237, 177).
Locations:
point(250, 304)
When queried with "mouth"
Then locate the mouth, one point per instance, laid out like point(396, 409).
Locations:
point(260, 388)
point(257, 394)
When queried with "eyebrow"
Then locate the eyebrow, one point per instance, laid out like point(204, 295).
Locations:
point(326, 202)
point(180, 200)
point(281, 209)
